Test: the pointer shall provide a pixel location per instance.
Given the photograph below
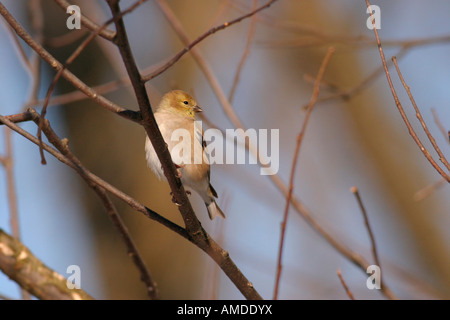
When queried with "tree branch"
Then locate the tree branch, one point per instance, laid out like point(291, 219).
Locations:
point(133, 252)
point(399, 105)
point(89, 24)
point(19, 264)
point(149, 123)
point(193, 227)
point(420, 118)
point(304, 212)
point(346, 288)
point(192, 44)
point(294, 164)
point(69, 76)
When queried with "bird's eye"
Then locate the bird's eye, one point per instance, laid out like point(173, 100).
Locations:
point(185, 102)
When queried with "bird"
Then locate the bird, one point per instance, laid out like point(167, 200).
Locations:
point(175, 117)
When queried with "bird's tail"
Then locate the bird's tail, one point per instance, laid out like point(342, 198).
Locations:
point(214, 210)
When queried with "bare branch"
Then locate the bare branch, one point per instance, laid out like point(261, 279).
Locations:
point(304, 212)
point(70, 60)
point(355, 191)
point(251, 33)
point(192, 224)
point(95, 179)
point(190, 45)
point(439, 124)
point(76, 82)
point(19, 264)
point(89, 24)
point(428, 190)
point(399, 105)
point(420, 118)
point(196, 232)
point(386, 291)
point(347, 290)
point(133, 251)
point(294, 164)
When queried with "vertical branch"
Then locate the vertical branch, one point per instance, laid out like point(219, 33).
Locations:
point(439, 124)
point(37, 22)
point(121, 40)
point(246, 53)
point(294, 164)
point(355, 191)
point(193, 227)
point(11, 189)
point(8, 163)
point(386, 291)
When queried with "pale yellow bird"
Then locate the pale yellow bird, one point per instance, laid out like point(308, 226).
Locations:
point(175, 116)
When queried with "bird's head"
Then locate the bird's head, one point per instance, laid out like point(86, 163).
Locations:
point(181, 103)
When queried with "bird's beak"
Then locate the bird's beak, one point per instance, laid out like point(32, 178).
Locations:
point(197, 109)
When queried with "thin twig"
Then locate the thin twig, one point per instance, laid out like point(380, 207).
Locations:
point(133, 251)
point(420, 118)
point(190, 45)
point(440, 125)
point(89, 24)
point(95, 179)
point(251, 33)
point(428, 190)
point(62, 146)
point(76, 95)
point(76, 82)
point(37, 22)
point(387, 292)
point(11, 188)
point(8, 163)
point(294, 164)
point(224, 6)
point(70, 60)
point(347, 94)
point(399, 105)
point(66, 39)
point(22, 56)
point(355, 191)
point(347, 290)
